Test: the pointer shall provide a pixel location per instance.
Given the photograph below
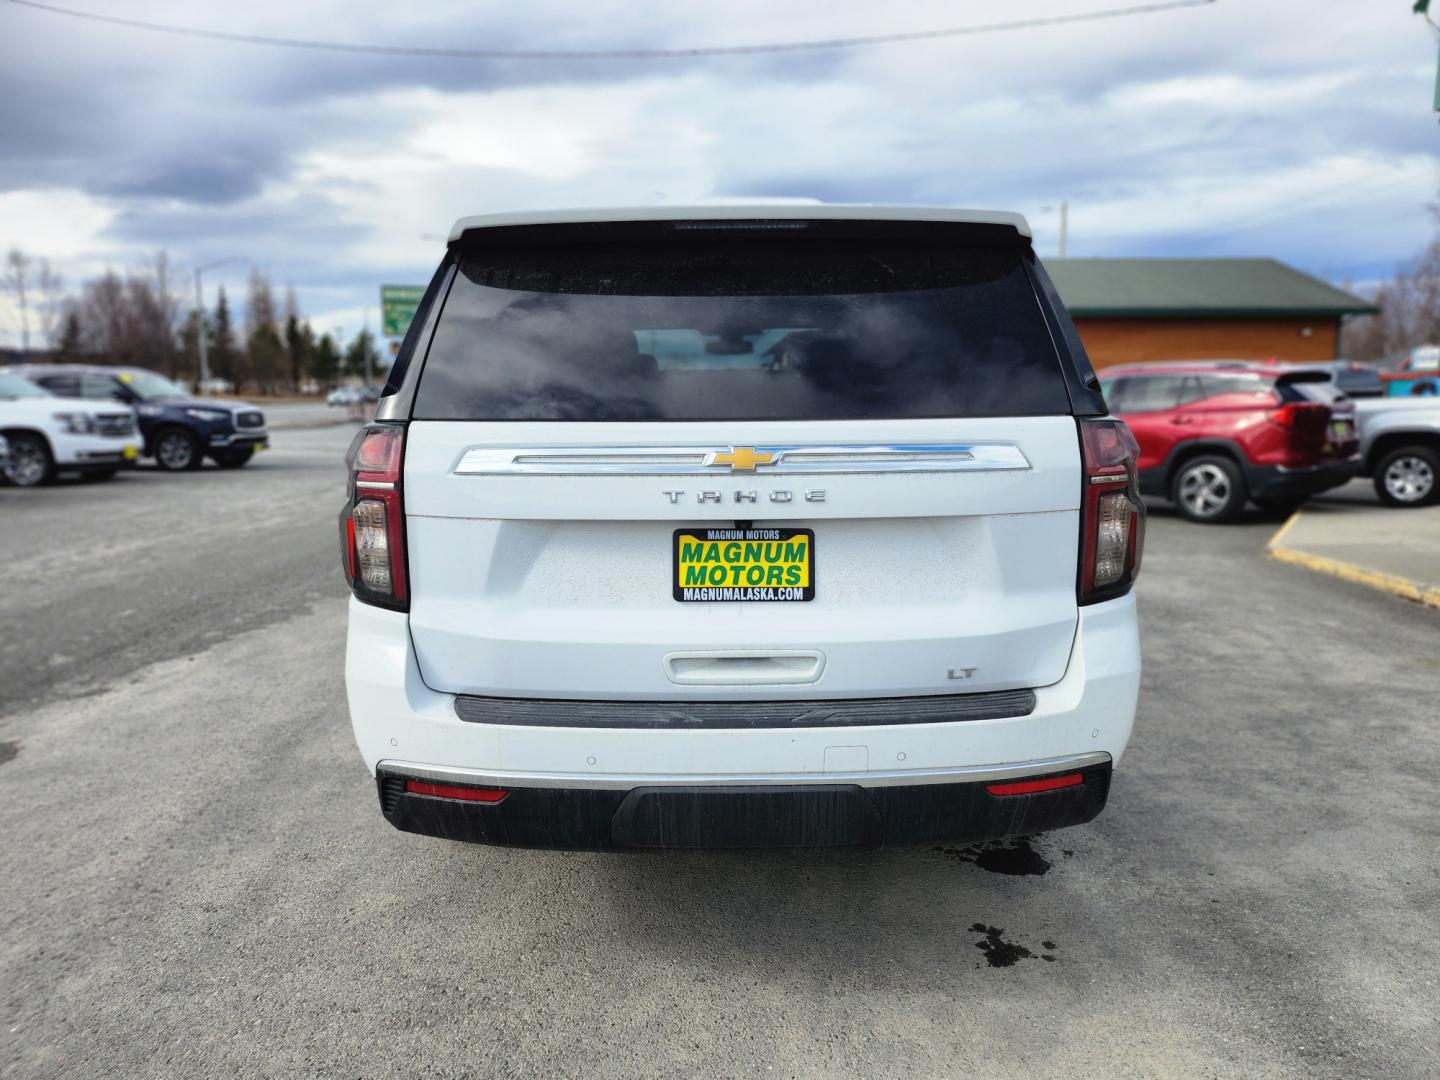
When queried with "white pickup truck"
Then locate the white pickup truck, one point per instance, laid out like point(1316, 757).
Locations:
point(48, 434)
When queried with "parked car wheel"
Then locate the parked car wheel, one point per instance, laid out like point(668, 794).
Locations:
point(233, 459)
point(1407, 475)
point(177, 450)
point(31, 463)
point(1209, 490)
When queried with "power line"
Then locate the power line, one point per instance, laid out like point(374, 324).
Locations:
point(617, 54)
point(1314, 201)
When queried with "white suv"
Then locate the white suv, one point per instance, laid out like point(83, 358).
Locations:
point(49, 435)
point(741, 527)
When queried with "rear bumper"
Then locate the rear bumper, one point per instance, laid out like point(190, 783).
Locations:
point(1278, 482)
point(844, 811)
point(405, 728)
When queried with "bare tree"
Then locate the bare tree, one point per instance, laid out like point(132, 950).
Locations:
point(106, 324)
point(155, 311)
point(17, 281)
point(263, 347)
point(1409, 309)
point(130, 320)
point(49, 305)
point(39, 295)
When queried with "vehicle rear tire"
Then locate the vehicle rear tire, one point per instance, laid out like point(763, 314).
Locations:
point(1209, 490)
point(31, 464)
point(176, 450)
point(233, 459)
point(1408, 476)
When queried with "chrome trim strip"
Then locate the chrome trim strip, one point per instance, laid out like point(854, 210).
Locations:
point(960, 774)
point(376, 485)
point(694, 460)
point(1108, 479)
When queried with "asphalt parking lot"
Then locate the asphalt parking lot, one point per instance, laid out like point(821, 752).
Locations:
point(196, 881)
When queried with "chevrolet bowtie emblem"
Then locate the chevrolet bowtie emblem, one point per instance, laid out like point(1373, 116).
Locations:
point(741, 458)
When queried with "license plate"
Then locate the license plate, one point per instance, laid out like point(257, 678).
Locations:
point(130, 453)
point(744, 564)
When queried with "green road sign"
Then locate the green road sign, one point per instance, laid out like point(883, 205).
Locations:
point(397, 307)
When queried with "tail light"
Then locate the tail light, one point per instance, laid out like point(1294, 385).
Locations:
point(1307, 418)
point(1112, 517)
point(372, 524)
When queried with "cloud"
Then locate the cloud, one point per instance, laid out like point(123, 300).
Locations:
point(1230, 129)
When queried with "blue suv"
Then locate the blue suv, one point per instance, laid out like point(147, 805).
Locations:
point(180, 430)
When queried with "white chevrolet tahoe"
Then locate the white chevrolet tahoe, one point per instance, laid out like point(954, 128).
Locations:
point(48, 435)
point(741, 527)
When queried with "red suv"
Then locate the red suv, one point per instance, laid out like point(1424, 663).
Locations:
point(1213, 434)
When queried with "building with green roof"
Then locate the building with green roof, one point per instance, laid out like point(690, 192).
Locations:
point(1130, 310)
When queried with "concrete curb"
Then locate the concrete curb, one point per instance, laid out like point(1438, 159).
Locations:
point(1374, 579)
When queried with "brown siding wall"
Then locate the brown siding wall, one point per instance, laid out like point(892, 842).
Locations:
point(1125, 341)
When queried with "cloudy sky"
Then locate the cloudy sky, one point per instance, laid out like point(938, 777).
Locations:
point(1298, 129)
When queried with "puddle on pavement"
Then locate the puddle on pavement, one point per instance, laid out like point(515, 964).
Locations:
point(1016, 857)
point(1001, 953)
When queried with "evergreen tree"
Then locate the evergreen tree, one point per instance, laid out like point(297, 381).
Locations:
point(299, 344)
point(70, 348)
point(325, 361)
point(224, 357)
point(299, 338)
point(362, 359)
point(188, 361)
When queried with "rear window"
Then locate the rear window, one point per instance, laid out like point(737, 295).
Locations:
point(760, 330)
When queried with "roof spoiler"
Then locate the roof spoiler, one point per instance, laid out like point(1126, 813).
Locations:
point(1304, 375)
point(754, 217)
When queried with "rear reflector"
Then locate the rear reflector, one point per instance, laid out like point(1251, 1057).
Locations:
point(1032, 787)
point(455, 791)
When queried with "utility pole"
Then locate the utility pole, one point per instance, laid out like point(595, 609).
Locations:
point(1422, 8)
point(1064, 221)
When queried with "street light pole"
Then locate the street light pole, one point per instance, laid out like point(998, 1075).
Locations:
point(200, 316)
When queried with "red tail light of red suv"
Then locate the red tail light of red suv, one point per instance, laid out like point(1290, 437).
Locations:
point(372, 524)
